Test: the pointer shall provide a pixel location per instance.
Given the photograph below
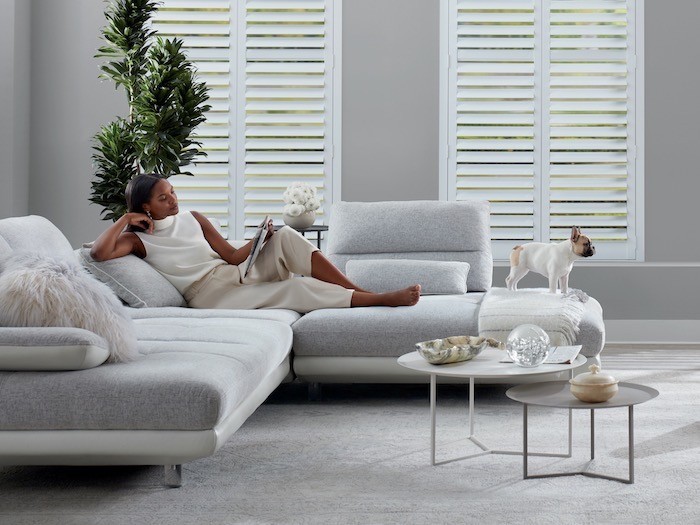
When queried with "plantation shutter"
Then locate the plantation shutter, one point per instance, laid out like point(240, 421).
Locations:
point(541, 119)
point(206, 29)
point(287, 104)
point(493, 87)
point(270, 66)
point(591, 164)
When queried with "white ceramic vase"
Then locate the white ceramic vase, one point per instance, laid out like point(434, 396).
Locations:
point(299, 222)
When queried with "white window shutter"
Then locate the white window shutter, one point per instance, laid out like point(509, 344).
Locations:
point(541, 118)
point(494, 86)
point(269, 64)
point(206, 30)
point(286, 106)
point(591, 113)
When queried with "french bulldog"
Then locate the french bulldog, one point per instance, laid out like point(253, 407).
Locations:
point(554, 260)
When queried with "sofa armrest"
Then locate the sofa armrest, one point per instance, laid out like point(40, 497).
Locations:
point(50, 348)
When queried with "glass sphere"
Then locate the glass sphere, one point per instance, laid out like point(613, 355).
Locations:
point(528, 345)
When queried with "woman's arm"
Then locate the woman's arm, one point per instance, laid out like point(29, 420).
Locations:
point(115, 242)
point(220, 245)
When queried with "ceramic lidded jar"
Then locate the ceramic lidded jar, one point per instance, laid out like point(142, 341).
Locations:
point(593, 387)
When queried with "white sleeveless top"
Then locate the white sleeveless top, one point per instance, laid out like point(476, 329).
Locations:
point(178, 250)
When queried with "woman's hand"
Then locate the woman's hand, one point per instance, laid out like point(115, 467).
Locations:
point(270, 229)
point(141, 220)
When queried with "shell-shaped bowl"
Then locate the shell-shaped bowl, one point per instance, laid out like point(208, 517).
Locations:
point(451, 349)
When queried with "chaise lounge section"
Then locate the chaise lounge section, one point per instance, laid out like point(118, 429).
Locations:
point(201, 374)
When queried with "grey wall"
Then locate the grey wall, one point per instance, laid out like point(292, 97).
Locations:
point(390, 132)
point(15, 38)
point(69, 104)
point(672, 130)
point(390, 100)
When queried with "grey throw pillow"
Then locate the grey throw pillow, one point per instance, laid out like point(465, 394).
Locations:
point(38, 290)
point(51, 348)
point(134, 281)
point(385, 275)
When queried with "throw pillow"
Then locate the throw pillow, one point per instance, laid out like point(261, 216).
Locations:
point(45, 348)
point(39, 290)
point(385, 275)
point(134, 281)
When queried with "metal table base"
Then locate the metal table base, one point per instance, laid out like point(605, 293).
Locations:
point(485, 449)
point(584, 472)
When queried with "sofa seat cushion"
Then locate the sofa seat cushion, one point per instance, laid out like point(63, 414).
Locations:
point(194, 372)
point(380, 331)
point(391, 332)
point(283, 316)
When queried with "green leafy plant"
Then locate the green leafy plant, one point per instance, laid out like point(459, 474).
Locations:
point(166, 103)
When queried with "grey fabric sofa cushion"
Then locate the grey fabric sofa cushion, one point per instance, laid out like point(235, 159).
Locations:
point(384, 331)
point(287, 317)
point(35, 234)
point(427, 230)
point(385, 275)
point(51, 348)
point(591, 335)
point(134, 281)
point(193, 373)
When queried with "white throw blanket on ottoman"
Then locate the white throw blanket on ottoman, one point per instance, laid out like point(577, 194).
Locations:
point(557, 314)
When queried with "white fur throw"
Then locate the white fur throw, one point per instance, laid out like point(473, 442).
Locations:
point(37, 290)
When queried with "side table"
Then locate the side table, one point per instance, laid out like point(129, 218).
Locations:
point(556, 394)
point(486, 365)
point(318, 228)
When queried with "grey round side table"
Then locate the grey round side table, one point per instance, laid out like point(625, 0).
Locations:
point(556, 394)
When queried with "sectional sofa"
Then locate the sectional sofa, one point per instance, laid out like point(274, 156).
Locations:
point(202, 373)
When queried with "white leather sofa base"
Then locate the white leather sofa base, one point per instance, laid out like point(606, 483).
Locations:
point(321, 369)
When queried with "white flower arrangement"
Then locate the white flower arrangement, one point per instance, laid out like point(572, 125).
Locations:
point(300, 197)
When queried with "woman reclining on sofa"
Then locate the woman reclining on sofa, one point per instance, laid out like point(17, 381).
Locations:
point(189, 252)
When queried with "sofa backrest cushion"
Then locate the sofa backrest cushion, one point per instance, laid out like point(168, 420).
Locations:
point(427, 230)
point(135, 282)
point(36, 234)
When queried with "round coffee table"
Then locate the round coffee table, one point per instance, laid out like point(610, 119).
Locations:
point(556, 394)
point(485, 365)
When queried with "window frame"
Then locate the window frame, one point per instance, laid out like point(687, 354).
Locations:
point(447, 121)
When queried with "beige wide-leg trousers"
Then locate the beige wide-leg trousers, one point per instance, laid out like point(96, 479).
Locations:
point(270, 282)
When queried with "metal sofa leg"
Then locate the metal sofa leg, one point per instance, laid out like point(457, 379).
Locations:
point(173, 475)
point(314, 391)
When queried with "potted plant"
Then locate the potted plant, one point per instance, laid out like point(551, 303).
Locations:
point(166, 103)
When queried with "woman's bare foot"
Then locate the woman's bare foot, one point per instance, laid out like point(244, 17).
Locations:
point(406, 297)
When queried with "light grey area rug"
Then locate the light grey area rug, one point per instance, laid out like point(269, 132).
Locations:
point(361, 455)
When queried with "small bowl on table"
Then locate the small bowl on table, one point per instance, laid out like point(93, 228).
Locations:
point(451, 349)
point(593, 387)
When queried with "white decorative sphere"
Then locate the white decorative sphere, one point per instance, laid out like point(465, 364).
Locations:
point(528, 345)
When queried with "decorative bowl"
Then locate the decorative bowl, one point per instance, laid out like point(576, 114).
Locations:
point(451, 349)
point(593, 387)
